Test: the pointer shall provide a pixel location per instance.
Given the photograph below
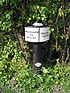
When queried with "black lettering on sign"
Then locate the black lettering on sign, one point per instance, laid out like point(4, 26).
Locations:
point(31, 32)
point(31, 37)
point(27, 36)
point(45, 35)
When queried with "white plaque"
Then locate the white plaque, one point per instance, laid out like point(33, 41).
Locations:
point(36, 34)
point(31, 34)
point(44, 34)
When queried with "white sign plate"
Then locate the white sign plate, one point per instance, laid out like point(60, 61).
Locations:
point(36, 34)
point(44, 34)
point(31, 34)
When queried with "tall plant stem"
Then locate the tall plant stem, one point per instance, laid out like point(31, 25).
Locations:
point(57, 28)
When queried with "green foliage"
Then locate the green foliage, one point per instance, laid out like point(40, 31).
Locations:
point(11, 60)
point(14, 15)
point(39, 13)
point(6, 22)
point(4, 89)
point(51, 79)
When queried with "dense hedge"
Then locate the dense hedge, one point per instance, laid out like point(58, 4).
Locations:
point(16, 14)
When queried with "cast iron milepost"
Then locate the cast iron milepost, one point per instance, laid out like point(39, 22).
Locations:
point(37, 34)
point(37, 57)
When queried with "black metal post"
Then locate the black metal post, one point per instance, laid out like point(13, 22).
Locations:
point(37, 58)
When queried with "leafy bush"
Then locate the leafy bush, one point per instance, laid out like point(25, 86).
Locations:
point(11, 60)
point(14, 16)
point(51, 80)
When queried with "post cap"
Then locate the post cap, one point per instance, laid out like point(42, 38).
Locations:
point(37, 24)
